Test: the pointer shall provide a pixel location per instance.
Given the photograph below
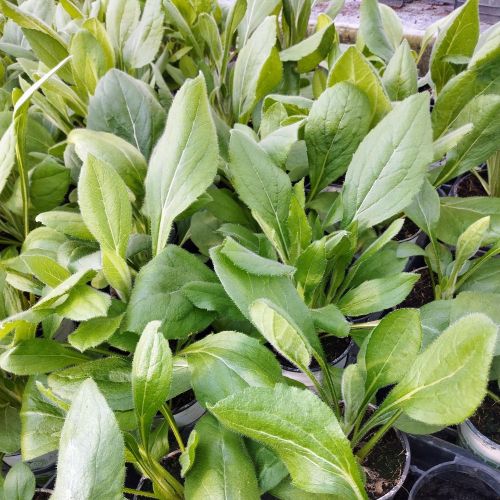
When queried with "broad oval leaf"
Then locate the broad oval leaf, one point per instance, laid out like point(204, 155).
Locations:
point(228, 362)
point(151, 376)
point(91, 461)
point(400, 77)
point(448, 380)
point(184, 161)
point(128, 108)
point(302, 431)
point(389, 167)
point(222, 467)
point(337, 123)
point(372, 30)
point(19, 483)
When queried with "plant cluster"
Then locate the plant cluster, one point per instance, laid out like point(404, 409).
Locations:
point(215, 198)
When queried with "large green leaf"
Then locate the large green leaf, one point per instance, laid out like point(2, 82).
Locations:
point(391, 348)
point(91, 461)
point(128, 108)
point(457, 214)
point(264, 187)
point(448, 380)
point(184, 161)
point(19, 483)
point(337, 123)
point(125, 159)
point(151, 376)
point(401, 74)
point(455, 43)
point(228, 362)
point(485, 279)
point(39, 356)
point(112, 376)
point(478, 145)
point(41, 420)
point(122, 16)
point(372, 30)
point(302, 431)
point(7, 155)
point(353, 67)
point(255, 14)
point(222, 466)
point(389, 167)
point(257, 70)
point(145, 39)
point(425, 210)
point(157, 294)
point(10, 429)
point(377, 294)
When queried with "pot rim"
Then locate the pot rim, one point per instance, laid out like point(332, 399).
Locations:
point(477, 471)
point(478, 434)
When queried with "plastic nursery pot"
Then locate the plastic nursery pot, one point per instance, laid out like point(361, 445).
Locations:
point(455, 480)
point(188, 411)
point(43, 467)
point(484, 448)
point(466, 186)
point(377, 454)
point(293, 373)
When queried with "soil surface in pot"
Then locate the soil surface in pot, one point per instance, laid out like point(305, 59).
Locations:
point(487, 419)
point(422, 292)
point(384, 465)
point(469, 186)
point(409, 230)
point(455, 486)
point(182, 401)
point(333, 347)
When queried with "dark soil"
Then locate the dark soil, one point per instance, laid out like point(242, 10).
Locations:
point(487, 419)
point(384, 465)
point(422, 292)
point(409, 230)
point(455, 486)
point(334, 347)
point(467, 186)
point(183, 401)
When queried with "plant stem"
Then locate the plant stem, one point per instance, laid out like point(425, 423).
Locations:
point(167, 413)
point(493, 396)
point(368, 447)
point(145, 494)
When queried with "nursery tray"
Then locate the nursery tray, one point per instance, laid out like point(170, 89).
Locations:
point(429, 451)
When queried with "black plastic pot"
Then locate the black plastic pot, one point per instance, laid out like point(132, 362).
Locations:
point(485, 449)
point(43, 467)
point(450, 479)
point(188, 414)
point(459, 184)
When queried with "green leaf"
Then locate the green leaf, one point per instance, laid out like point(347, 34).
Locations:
point(255, 14)
point(401, 74)
point(311, 51)
point(187, 457)
point(184, 161)
point(257, 70)
point(311, 268)
point(19, 483)
point(377, 294)
point(245, 288)
point(281, 333)
point(7, 155)
point(84, 303)
point(91, 461)
point(448, 380)
point(42, 421)
point(104, 203)
point(66, 222)
point(122, 16)
point(352, 67)
point(329, 319)
point(112, 376)
point(38, 356)
point(145, 39)
point(372, 30)
point(45, 269)
point(389, 167)
point(264, 187)
point(125, 159)
point(302, 431)
point(228, 362)
point(157, 294)
point(128, 108)
point(10, 429)
point(222, 467)
point(485, 279)
point(469, 242)
point(457, 214)
point(151, 376)
point(457, 39)
point(479, 144)
point(95, 331)
point(269, 468)
point(337, 123)
point(391, 348)
point(425, 209)
point(353, 392)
